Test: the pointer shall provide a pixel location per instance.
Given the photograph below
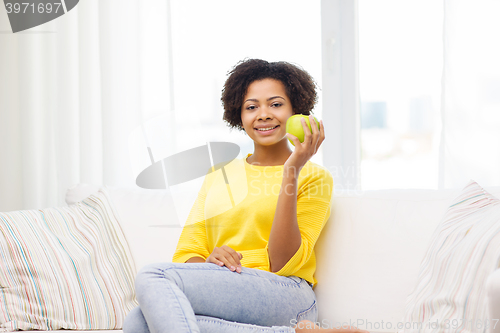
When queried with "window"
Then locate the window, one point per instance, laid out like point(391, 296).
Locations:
point(400, 68)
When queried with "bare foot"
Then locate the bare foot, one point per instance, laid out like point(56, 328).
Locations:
point(306, 326)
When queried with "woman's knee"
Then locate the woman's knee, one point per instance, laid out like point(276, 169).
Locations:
point(157, 266)
point(152, 271)
point(135, 322)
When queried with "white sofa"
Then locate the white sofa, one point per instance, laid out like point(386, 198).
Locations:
point(368, 254)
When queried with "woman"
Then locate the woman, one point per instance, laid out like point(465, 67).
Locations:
point(245, 259)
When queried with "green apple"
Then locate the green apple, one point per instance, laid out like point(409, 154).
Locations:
point(294, 126)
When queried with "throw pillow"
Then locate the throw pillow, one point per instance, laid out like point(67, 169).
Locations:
point(65, 268)
point(464, 250)
point(148, 218)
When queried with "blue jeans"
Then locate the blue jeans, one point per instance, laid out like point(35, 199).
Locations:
point(204, 297)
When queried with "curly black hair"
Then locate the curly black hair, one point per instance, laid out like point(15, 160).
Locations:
point(299, 86)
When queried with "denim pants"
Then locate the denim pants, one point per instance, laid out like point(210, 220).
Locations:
point(204, 297)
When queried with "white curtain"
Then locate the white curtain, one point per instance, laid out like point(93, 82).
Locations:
point(470, 147)
point(71, 93)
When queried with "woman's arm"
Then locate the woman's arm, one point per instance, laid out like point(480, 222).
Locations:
point(314, 196)
point(285, 237)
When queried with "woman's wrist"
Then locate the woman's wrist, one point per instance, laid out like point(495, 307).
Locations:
point(194, 260)
point(291, 172)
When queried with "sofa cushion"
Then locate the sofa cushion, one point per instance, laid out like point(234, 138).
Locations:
point(369, 253)
point(65, 268)
point(464, 250)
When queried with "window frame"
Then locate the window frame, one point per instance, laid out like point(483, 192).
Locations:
point(340, 85)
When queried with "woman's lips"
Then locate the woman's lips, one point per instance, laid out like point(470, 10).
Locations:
point(269, 131)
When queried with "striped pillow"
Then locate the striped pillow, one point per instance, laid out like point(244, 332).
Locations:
point(65, 268)
point(464, 250)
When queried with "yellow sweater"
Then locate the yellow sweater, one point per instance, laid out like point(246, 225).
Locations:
point(236, 207)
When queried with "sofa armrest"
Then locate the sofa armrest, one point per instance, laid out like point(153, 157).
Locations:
point(493, 299)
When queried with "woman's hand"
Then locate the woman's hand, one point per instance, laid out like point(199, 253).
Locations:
point(225, 255)
point(305, 150)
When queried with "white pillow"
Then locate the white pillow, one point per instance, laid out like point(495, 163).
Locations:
point(464, 250)
point(65, 268)
point(148, 219)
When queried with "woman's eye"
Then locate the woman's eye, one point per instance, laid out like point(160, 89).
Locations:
point(277, 105)
point(251, 107)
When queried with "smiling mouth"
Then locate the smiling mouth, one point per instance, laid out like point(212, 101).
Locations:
point(269, 129)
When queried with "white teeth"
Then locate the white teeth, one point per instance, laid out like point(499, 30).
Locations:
point(266, 129)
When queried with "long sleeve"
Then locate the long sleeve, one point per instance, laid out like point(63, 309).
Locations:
point(193, 241)
point(313, 211)
point(258, 258)
point(315, 214)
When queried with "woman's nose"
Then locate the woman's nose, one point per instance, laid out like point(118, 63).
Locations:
point(265, 113)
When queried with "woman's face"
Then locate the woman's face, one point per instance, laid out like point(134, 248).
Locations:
point(266, 105)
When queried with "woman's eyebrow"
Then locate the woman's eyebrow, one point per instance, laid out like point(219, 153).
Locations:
point(256, 100)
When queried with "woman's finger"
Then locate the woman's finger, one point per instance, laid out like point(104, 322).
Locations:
point(314, 125)
point(228, 261)
point(212, 259)
point(315, 134)
point(321, 131)
point(307, 131)
point(226, 256)
point(321, 137)
point(295, 140)
point(233, 255)
point(234, 264)
point(230, 258)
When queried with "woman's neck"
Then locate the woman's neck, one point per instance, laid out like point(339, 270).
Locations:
point(270, 155)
